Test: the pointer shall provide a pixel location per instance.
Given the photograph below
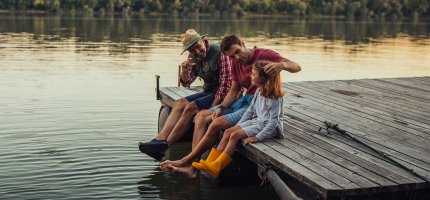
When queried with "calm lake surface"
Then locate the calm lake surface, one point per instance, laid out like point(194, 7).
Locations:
point(77, 94)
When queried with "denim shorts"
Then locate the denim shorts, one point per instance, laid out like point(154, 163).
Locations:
point(235, 111)
point(203, 100)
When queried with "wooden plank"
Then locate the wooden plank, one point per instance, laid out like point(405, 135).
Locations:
point(364, 124)
point(370, 108)
point(260, 153)
point(339, 145)
point(187, 91)
point(168, 97)
point(343, 147)
point(170, 91)
point(322, 167)
point(359, 103)
point(420, 80)
point(366, 96)
point(338, 173)
point(389, 141)
point(389, 88)
point(396, 152)
point(402, 99)
point(422, 84)
point(356, 114)
point(178, 91)
point(309, 131)
point(359, 166)
point(415, 84)
point(394, 85)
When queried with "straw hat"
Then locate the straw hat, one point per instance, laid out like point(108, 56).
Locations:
point(189, 38)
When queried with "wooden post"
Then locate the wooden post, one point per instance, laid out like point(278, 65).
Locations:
point(157, 90)
point(179, 75)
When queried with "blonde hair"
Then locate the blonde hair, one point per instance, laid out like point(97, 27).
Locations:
point(270, 87)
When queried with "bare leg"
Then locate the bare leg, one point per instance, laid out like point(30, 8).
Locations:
point(234, 138)
point(172, 119)
point(200, 126)
point(207, 141)
point(203, 118)
point(226, 137)
point(183, 124)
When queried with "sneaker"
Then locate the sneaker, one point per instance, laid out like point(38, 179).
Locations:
point(154, 148)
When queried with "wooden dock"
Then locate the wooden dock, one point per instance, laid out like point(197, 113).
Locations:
point(390, 115)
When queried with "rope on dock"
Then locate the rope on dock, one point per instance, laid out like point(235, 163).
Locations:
point(335, 127)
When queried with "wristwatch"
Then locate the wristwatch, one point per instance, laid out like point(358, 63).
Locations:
point(222, 108)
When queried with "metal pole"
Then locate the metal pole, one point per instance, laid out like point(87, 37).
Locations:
point(283, 191)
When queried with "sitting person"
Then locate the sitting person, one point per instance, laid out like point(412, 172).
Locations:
point(262, 119)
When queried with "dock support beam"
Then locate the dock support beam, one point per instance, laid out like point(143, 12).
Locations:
point(283, 191)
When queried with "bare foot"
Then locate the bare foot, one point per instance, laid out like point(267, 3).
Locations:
point(189, 171)
point(165, 168)
point(175, 163)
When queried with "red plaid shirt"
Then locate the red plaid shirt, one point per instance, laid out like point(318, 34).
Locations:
point(225, 64)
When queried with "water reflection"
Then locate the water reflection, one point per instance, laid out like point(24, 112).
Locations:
point(119, 29)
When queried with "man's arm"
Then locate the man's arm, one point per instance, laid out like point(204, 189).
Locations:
point(187, 75)
point(286, 65)
point(215, 102)
point(232, 95)
point(224, 78)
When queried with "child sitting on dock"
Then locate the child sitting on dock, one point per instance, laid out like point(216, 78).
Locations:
point(263, 119)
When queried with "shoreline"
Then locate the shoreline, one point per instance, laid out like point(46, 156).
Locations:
point(199, 15)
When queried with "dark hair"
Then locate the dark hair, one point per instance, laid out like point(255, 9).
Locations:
point(229, 40)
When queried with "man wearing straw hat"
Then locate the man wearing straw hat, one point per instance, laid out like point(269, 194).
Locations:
point(205, 61)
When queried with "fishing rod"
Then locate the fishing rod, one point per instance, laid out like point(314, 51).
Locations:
point(335, 127)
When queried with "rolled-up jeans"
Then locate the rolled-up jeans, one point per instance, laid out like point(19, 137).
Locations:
point(235, 111)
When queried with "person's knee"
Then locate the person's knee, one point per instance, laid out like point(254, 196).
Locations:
point(191, 109)
point(229, 131)
point(201, 117)
point(217, 125)
point(180, 103)
point(236, 135)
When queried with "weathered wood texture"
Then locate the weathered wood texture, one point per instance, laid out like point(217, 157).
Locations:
point(391, 115)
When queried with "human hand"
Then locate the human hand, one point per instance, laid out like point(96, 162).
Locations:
point(250, 140)
point(187, 66)
point(273, 68)
point(217, 113)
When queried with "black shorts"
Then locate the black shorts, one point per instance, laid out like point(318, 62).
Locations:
point(203, 100)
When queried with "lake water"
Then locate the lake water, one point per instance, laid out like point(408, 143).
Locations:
point(77, 94)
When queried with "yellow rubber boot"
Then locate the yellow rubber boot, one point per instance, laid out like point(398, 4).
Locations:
point(214, 168)
point(213, 155)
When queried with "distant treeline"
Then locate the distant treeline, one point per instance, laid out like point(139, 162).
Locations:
point(347, 8)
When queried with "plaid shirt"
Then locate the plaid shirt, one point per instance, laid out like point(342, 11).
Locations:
point(225, 64)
